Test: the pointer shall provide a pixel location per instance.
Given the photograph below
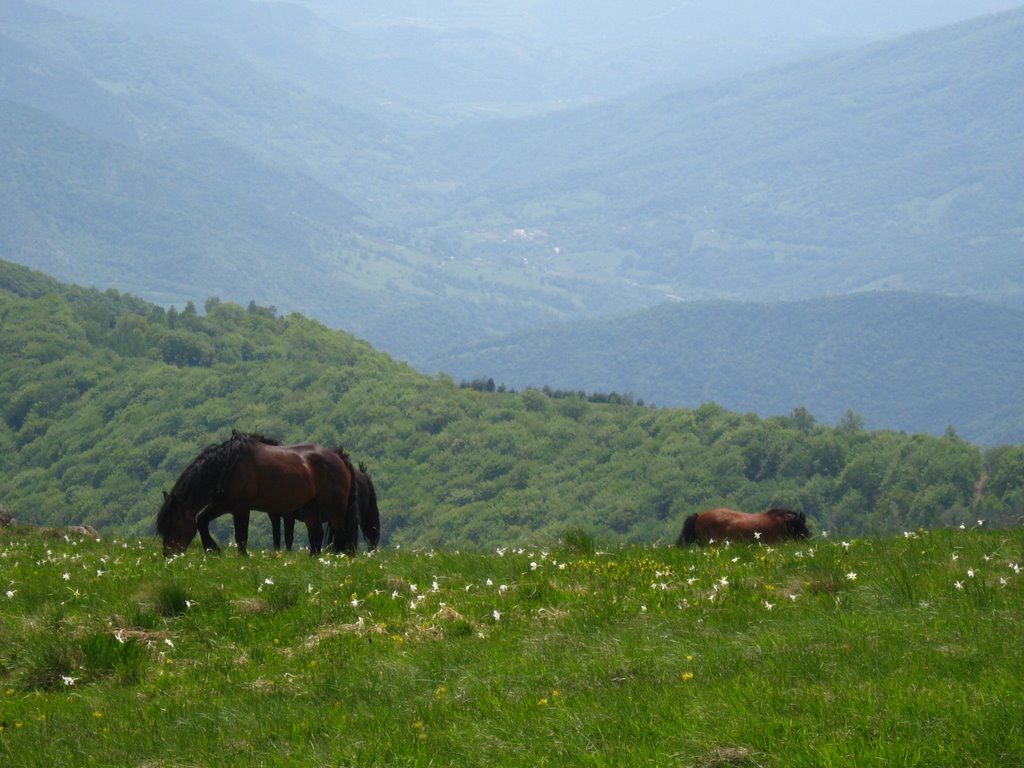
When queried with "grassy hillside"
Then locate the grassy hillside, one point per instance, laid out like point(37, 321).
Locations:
point(902, 651)
point(905, 361)
point(107, 398)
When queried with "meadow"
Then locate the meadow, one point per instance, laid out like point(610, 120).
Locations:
point(904, 651)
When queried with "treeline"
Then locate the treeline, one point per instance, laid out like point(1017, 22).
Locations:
point(613, 398)
point(104, 399)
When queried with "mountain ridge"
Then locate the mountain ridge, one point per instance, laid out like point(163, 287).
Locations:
point(912, 362)
point(817, 178)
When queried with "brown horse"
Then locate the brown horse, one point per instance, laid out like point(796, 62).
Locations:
point(305, 481)
point(365, 503)
point(728, 524)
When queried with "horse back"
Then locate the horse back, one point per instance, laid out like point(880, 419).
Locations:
point(721, 523)
point(285, 478)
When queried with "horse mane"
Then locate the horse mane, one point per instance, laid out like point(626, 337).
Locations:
point(200, 480)
point(796, 522)
point(253, 436)
point(688, 535)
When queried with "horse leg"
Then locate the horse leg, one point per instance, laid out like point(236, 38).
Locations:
point(275, 527)
point(346, 536)
point(315, 532)
point(206, 514)
point(241, 520)
point(289, 532)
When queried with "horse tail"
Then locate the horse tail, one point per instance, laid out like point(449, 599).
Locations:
point(689, 533)
point(369, 512)
point(351, 533)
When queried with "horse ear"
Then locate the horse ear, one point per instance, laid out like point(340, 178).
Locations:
point(165, 495)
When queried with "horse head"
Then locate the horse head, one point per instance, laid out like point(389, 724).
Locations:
point(796, 525)
point(175, 524)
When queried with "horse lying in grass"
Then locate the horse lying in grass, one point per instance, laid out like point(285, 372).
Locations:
point(728, 524)
point(305, 482)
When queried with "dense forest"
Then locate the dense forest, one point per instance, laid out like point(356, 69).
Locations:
point(106, 398)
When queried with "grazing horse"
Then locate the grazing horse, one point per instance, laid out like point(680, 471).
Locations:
point(246, 472)
point(369, 512)
point(767, 527)
point(366, 503)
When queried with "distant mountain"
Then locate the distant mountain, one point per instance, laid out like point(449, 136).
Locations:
point(894, 166)
point(291, 154)
point(903, 361)
point(451, 60)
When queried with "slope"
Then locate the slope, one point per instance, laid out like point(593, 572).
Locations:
point(106, 398)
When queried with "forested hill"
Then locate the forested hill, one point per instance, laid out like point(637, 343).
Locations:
point(904, 361)
point(106, 398)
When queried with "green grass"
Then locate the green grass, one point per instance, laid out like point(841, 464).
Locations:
point(905, 651)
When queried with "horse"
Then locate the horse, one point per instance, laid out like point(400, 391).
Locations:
point(369, 512)
point(366, 503)
point(248, 471)
point(767, 527)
